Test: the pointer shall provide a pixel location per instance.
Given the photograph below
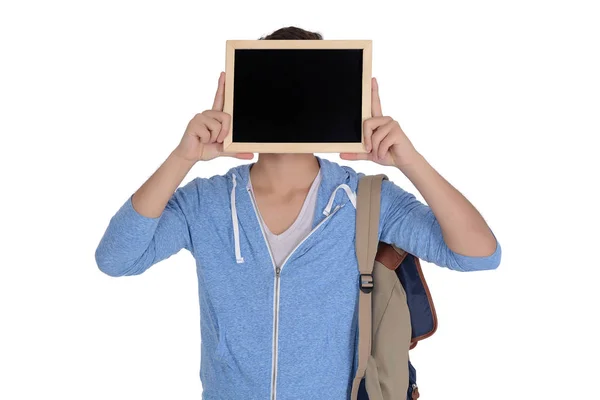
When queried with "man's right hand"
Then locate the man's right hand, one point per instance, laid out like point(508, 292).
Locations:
point(203, 138)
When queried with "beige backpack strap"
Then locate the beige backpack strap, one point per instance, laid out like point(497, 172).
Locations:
point(367, 241)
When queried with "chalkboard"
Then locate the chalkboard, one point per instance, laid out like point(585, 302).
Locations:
point(297, 96)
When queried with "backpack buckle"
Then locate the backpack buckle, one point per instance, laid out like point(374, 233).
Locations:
point(366, 283)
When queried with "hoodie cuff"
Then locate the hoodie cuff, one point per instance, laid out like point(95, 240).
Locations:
point(473, 263)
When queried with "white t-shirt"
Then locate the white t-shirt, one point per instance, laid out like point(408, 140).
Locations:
point(283, 244)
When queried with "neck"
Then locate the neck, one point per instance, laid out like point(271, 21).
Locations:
point(284, 172)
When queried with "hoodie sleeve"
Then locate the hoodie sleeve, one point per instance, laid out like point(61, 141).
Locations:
point(132, 243)
point(412, 226)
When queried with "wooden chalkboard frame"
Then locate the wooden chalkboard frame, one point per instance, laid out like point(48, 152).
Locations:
point(342, 147)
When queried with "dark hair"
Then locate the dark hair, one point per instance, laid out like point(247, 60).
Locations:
point(292, 33)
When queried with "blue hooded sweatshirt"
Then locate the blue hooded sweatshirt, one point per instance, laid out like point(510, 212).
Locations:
point(270, 333)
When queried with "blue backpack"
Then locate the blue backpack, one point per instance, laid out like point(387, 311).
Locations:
point(396, 310)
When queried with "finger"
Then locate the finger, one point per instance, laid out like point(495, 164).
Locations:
point(370, 125)
point(203, 126)
point(354, 156)
point(375, 101)
point(375, 122)
point(224, 119)
point(367, 133)
point(385, 145)
point(219, 101)
point(202, 133)
point(379, 135)
point(212, 125)
point(225, 127)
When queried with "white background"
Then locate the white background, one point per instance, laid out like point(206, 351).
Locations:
point(501, 97)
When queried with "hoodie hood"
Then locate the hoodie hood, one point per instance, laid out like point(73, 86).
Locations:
point(333, 178)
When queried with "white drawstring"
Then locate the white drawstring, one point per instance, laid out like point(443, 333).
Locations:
point(234, 216)
point(236, 226)
point(349, 192)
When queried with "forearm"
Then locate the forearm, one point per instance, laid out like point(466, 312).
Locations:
point(152, 197)
point(464, 229)
point(151, 225)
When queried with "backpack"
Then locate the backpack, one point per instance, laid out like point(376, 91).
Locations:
point(395, 306)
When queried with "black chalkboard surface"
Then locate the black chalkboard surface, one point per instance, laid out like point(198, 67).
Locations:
point(297, 95)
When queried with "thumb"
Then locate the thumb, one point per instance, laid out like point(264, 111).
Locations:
point(244, 156)
point(239, 156)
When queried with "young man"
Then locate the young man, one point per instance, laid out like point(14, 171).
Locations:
point(274, 247)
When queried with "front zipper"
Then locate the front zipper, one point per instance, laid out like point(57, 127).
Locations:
point(276, 290)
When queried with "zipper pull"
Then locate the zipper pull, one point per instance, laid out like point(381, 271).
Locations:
point(278, 271)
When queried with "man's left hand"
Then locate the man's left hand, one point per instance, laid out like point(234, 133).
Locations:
point(385, 141)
